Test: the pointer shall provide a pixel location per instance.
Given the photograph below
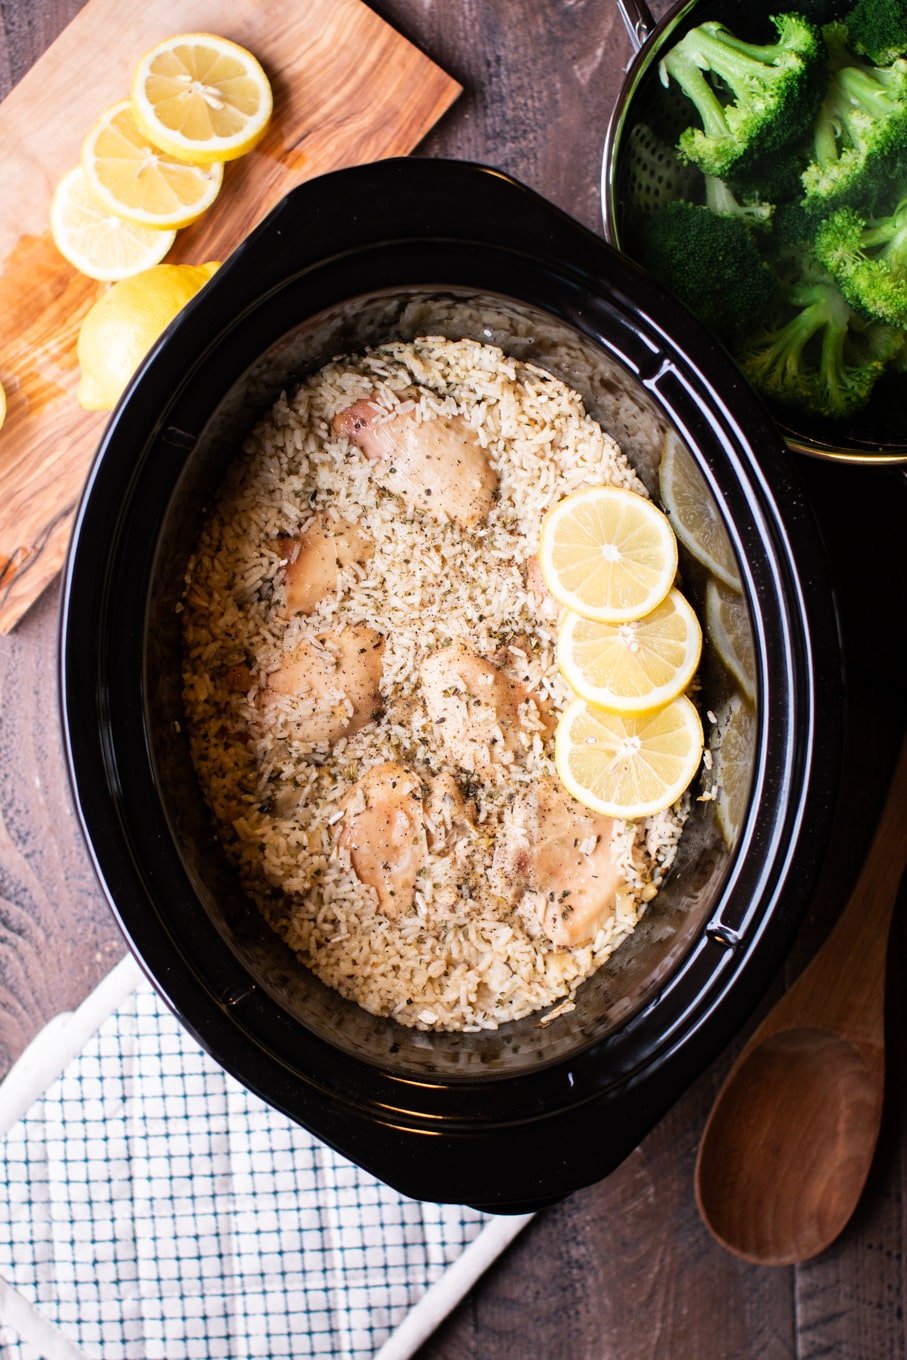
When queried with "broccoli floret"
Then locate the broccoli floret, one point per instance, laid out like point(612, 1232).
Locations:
point(793, 229)
point(711, 262)
point(821, 357)
point(861, 129)
point(774, 178)
point(868, 261)
point(878, 29)
point(765, 96)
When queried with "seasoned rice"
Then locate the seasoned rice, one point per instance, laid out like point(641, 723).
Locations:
point(464, 959)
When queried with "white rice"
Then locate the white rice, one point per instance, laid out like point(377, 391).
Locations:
point(463, 960)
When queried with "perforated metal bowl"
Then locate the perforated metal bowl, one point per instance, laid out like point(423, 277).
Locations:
point(875, 437)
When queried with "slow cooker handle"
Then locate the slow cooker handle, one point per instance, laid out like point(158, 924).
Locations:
point(638, 20)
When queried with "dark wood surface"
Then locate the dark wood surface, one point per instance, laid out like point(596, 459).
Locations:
point(624, 1270)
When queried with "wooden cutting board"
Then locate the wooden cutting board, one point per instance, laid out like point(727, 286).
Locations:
point(347, 89)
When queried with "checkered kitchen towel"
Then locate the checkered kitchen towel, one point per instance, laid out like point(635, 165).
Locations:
point(156, 1210)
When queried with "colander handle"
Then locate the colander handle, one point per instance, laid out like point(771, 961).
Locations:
point(639, 21)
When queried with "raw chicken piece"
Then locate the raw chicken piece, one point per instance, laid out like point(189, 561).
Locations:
point(341, 668)
point(315, 559)
point(438, 465)
point(384, 832)
point(474, 705)
point(556, 855)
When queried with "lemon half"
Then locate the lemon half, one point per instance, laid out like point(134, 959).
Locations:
point(124, 323)
point(728, 626)
point(733, 765)
point(693, 515)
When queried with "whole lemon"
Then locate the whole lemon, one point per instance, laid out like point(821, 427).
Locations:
point(124, 323)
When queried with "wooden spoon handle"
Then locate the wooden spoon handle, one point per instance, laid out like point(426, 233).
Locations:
point(843, 987)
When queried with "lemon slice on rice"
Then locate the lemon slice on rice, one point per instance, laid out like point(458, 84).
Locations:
point(201, 98)
point(692, 514)
point(96, 241)
point(607, 554)
point(631, 667)
point(137, 181)
point(624, 766)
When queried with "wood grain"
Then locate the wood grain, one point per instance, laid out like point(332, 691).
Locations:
point(624, 1270)
point(347, 89)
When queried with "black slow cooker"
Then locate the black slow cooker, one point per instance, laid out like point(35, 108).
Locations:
point(517, 1117)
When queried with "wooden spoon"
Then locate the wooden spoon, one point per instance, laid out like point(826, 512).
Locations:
point(788, 1145)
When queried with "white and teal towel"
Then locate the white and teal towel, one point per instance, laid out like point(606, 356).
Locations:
point(156, 1210)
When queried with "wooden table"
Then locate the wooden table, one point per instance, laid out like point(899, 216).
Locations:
point(623, 1270)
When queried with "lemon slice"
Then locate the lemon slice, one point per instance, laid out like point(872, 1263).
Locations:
point(97, 242)
point(631, 667)
point(137, 181)
point(608, 554)
point(692, 514)
point(201, 98)
point(728, 626)
point(733, 764)
point(628, 767)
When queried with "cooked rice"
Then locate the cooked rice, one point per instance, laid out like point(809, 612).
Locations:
point(464, 959)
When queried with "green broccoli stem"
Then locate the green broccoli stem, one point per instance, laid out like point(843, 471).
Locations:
point(818, 312)
point(854, 95)
point(825, 150)
point(741, 65)
point(695, 86)
point(719, 198)
point(825, 309)
point(832, 363)
point(891, 235)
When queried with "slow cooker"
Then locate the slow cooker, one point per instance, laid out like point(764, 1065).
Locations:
point(517, 1117)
